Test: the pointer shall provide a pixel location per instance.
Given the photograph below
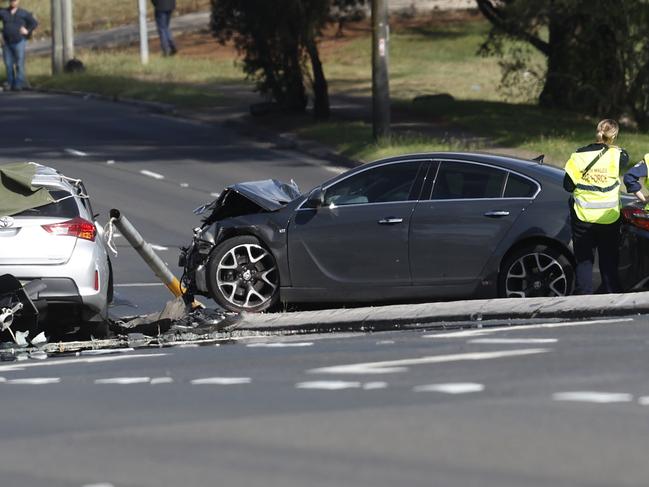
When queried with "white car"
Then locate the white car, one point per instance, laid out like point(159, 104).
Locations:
point(60, 244)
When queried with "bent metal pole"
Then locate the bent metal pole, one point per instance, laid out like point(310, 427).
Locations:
point(146, 252)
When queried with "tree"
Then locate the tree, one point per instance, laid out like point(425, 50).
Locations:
point(597, 51)
point(278, 39)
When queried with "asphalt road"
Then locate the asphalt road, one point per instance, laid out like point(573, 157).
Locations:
point(522, 407)
point(155, 169)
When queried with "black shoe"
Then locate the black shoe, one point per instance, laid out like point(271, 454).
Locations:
point(173, 51)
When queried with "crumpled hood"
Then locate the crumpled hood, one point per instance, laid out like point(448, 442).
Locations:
point(270, 194)
point(251, 197)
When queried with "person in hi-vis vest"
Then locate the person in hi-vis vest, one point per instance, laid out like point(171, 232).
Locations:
point(592, 176)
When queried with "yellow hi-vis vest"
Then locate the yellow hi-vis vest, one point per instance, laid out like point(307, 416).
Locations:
point(597, 193)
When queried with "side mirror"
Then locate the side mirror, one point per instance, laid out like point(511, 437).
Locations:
point(316, 198)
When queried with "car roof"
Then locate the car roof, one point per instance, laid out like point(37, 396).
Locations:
point(48, 176)
point(533, 169)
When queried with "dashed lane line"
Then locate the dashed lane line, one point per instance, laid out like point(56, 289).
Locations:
point(395, 366)
point(34, 381)
point(483, 331)
point(151, 174)
point(280, 345)
point(593, 396)
point(75, 152)
point(75, 361)
point(124, 380)
point(513, 341)
point(643, 401)
point(451, 388)
point(221, 381)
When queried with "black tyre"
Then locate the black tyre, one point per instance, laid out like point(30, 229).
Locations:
point(243, 275)
point(536, 271)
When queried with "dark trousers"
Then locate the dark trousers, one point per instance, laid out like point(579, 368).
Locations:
point(14, 58)
point(586, 237)
point(162, 21)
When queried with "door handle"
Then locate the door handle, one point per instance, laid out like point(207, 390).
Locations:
point(496, 214)
point(390, 221)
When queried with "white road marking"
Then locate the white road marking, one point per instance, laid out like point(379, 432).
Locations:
point(451, 388)
point(483, 331)
point(372, 386)
point(394, 366)
point(595, 397)
point(109, 351)
point(36, 381)
point(280, 345)
point(74, 152)
point(161, 380)
point(222, 381)
point(99, 485)
point(151, 174)
point(215, 195)
point(140, 284)
point(184, 185)
point(159, 247)
point(643, 401)
point(328, 385)
point(511, 341)
point(334, 169)
point(110, 162)
point(385, 342)
point(124, 380)
point(75, 361)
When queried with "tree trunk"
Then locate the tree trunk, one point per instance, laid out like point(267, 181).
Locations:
point(321, 108)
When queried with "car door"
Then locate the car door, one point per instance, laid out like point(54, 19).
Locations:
point(359, 236)
point(470, 210)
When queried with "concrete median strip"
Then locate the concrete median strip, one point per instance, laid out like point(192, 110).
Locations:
point(428, 315)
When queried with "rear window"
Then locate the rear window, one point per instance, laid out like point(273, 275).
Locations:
point(66, 208)
point(518, 187)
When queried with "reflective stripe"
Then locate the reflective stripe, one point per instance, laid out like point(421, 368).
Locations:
point(597, 205)
point(597, 188)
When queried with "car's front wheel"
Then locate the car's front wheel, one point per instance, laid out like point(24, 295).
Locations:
point(243, 275)
point(536, 271)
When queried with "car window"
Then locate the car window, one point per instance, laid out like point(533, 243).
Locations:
point(383, 184)
point(519, 187)
point(65, 208)
point(457, 180)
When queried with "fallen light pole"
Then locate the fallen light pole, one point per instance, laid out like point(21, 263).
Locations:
point(146, 252)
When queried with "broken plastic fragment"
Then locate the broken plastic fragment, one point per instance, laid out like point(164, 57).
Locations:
point(21, 338)
point(39, 339)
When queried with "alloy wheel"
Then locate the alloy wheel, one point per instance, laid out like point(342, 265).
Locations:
point(536, 274)
point(247, 276)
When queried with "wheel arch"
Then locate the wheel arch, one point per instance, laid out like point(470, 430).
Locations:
point(535, 240)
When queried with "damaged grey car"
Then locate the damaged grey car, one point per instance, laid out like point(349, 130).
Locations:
point(429, 226)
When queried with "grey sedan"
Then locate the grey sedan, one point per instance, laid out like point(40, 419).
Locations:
point(425, 226)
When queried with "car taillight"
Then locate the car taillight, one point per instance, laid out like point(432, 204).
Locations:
point(77, 227)
point(637, 217)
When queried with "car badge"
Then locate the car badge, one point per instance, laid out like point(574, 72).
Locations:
point(6, 221)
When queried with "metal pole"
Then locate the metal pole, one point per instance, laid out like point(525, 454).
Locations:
point(68, 31)
point(380, 73)
point(144, 33)
point(57, 37)
point(147, 253)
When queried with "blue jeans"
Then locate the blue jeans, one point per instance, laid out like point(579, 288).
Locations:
point(14, 58)
point(162, 20)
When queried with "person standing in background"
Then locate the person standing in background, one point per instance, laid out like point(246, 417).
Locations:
point(163, 11)
point(592, 176)
point(18, 25)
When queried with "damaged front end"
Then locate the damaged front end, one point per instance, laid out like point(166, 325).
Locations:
point(20, 307)
point(237, 200)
